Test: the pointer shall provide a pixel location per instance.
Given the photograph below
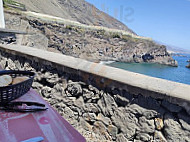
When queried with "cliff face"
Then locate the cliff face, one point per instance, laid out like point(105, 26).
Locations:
point(90, 44)
point(76, 10)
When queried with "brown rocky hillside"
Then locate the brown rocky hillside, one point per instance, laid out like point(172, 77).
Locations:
point(75, 10)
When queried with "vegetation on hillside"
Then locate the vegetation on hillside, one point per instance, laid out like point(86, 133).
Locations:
point(14, 4)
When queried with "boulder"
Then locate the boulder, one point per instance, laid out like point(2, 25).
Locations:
point(143, 137)
point(74, 89)
point(173, 130)
point(112, 130)
point(37, 85)
point(94, 89)
point(90, 95)
point(100, 129)
point(51, 78)
point(27, 66)
point(159, 123)
point(3, 62)
point(79, 102)
point(121, 101)
point(69, 101)
point(60, 107)
point(107, 104)
point(17, 65)
point(140, 111)
point(145, 125)
point(184, 119)
point(11, 65)
point(185, 125)
point(121, 138)
point(126, 122)
point(87, 95)
point(89, 117)
point(84, 125)
point(46, 92)
point(91, 107)
point(105, 120)
point(158, 136)
point(69, 115)
point(53, 101)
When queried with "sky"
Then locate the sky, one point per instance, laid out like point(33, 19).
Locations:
point(166, 21)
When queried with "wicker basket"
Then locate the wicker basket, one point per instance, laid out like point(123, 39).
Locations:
point(12, 92)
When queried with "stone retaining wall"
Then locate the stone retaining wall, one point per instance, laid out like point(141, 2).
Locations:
point(111, 114)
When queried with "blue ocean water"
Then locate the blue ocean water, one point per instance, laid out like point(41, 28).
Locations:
point(178, 74)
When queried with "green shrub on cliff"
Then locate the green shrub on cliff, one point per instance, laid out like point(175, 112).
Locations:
point(101, 32)
point(13, 4)
point(116, 35)
point(69, 27)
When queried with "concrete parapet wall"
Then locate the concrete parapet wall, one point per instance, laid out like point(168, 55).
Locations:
point(108, 78)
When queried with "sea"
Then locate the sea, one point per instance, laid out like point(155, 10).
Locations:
point(179, 74)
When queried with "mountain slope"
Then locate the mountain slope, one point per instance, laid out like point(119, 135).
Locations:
point(76, 10)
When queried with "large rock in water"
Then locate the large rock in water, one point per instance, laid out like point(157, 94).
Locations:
point(188, 66)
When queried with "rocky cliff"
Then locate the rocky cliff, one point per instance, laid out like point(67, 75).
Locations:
point(94, 44)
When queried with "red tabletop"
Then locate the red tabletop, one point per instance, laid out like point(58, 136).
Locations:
point(16, 127)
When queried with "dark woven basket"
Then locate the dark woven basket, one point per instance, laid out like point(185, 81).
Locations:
point(12, 92)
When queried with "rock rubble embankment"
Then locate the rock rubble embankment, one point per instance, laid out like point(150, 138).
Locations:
point(102, 116)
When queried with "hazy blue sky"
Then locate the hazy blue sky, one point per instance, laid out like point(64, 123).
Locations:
point(167, 21)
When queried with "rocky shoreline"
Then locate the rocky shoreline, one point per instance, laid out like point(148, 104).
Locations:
point(90, 44)
point(101, 116)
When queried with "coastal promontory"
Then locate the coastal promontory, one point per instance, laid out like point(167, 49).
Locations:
point(109, 40)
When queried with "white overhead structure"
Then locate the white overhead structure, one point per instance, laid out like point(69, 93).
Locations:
point(2, 20)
